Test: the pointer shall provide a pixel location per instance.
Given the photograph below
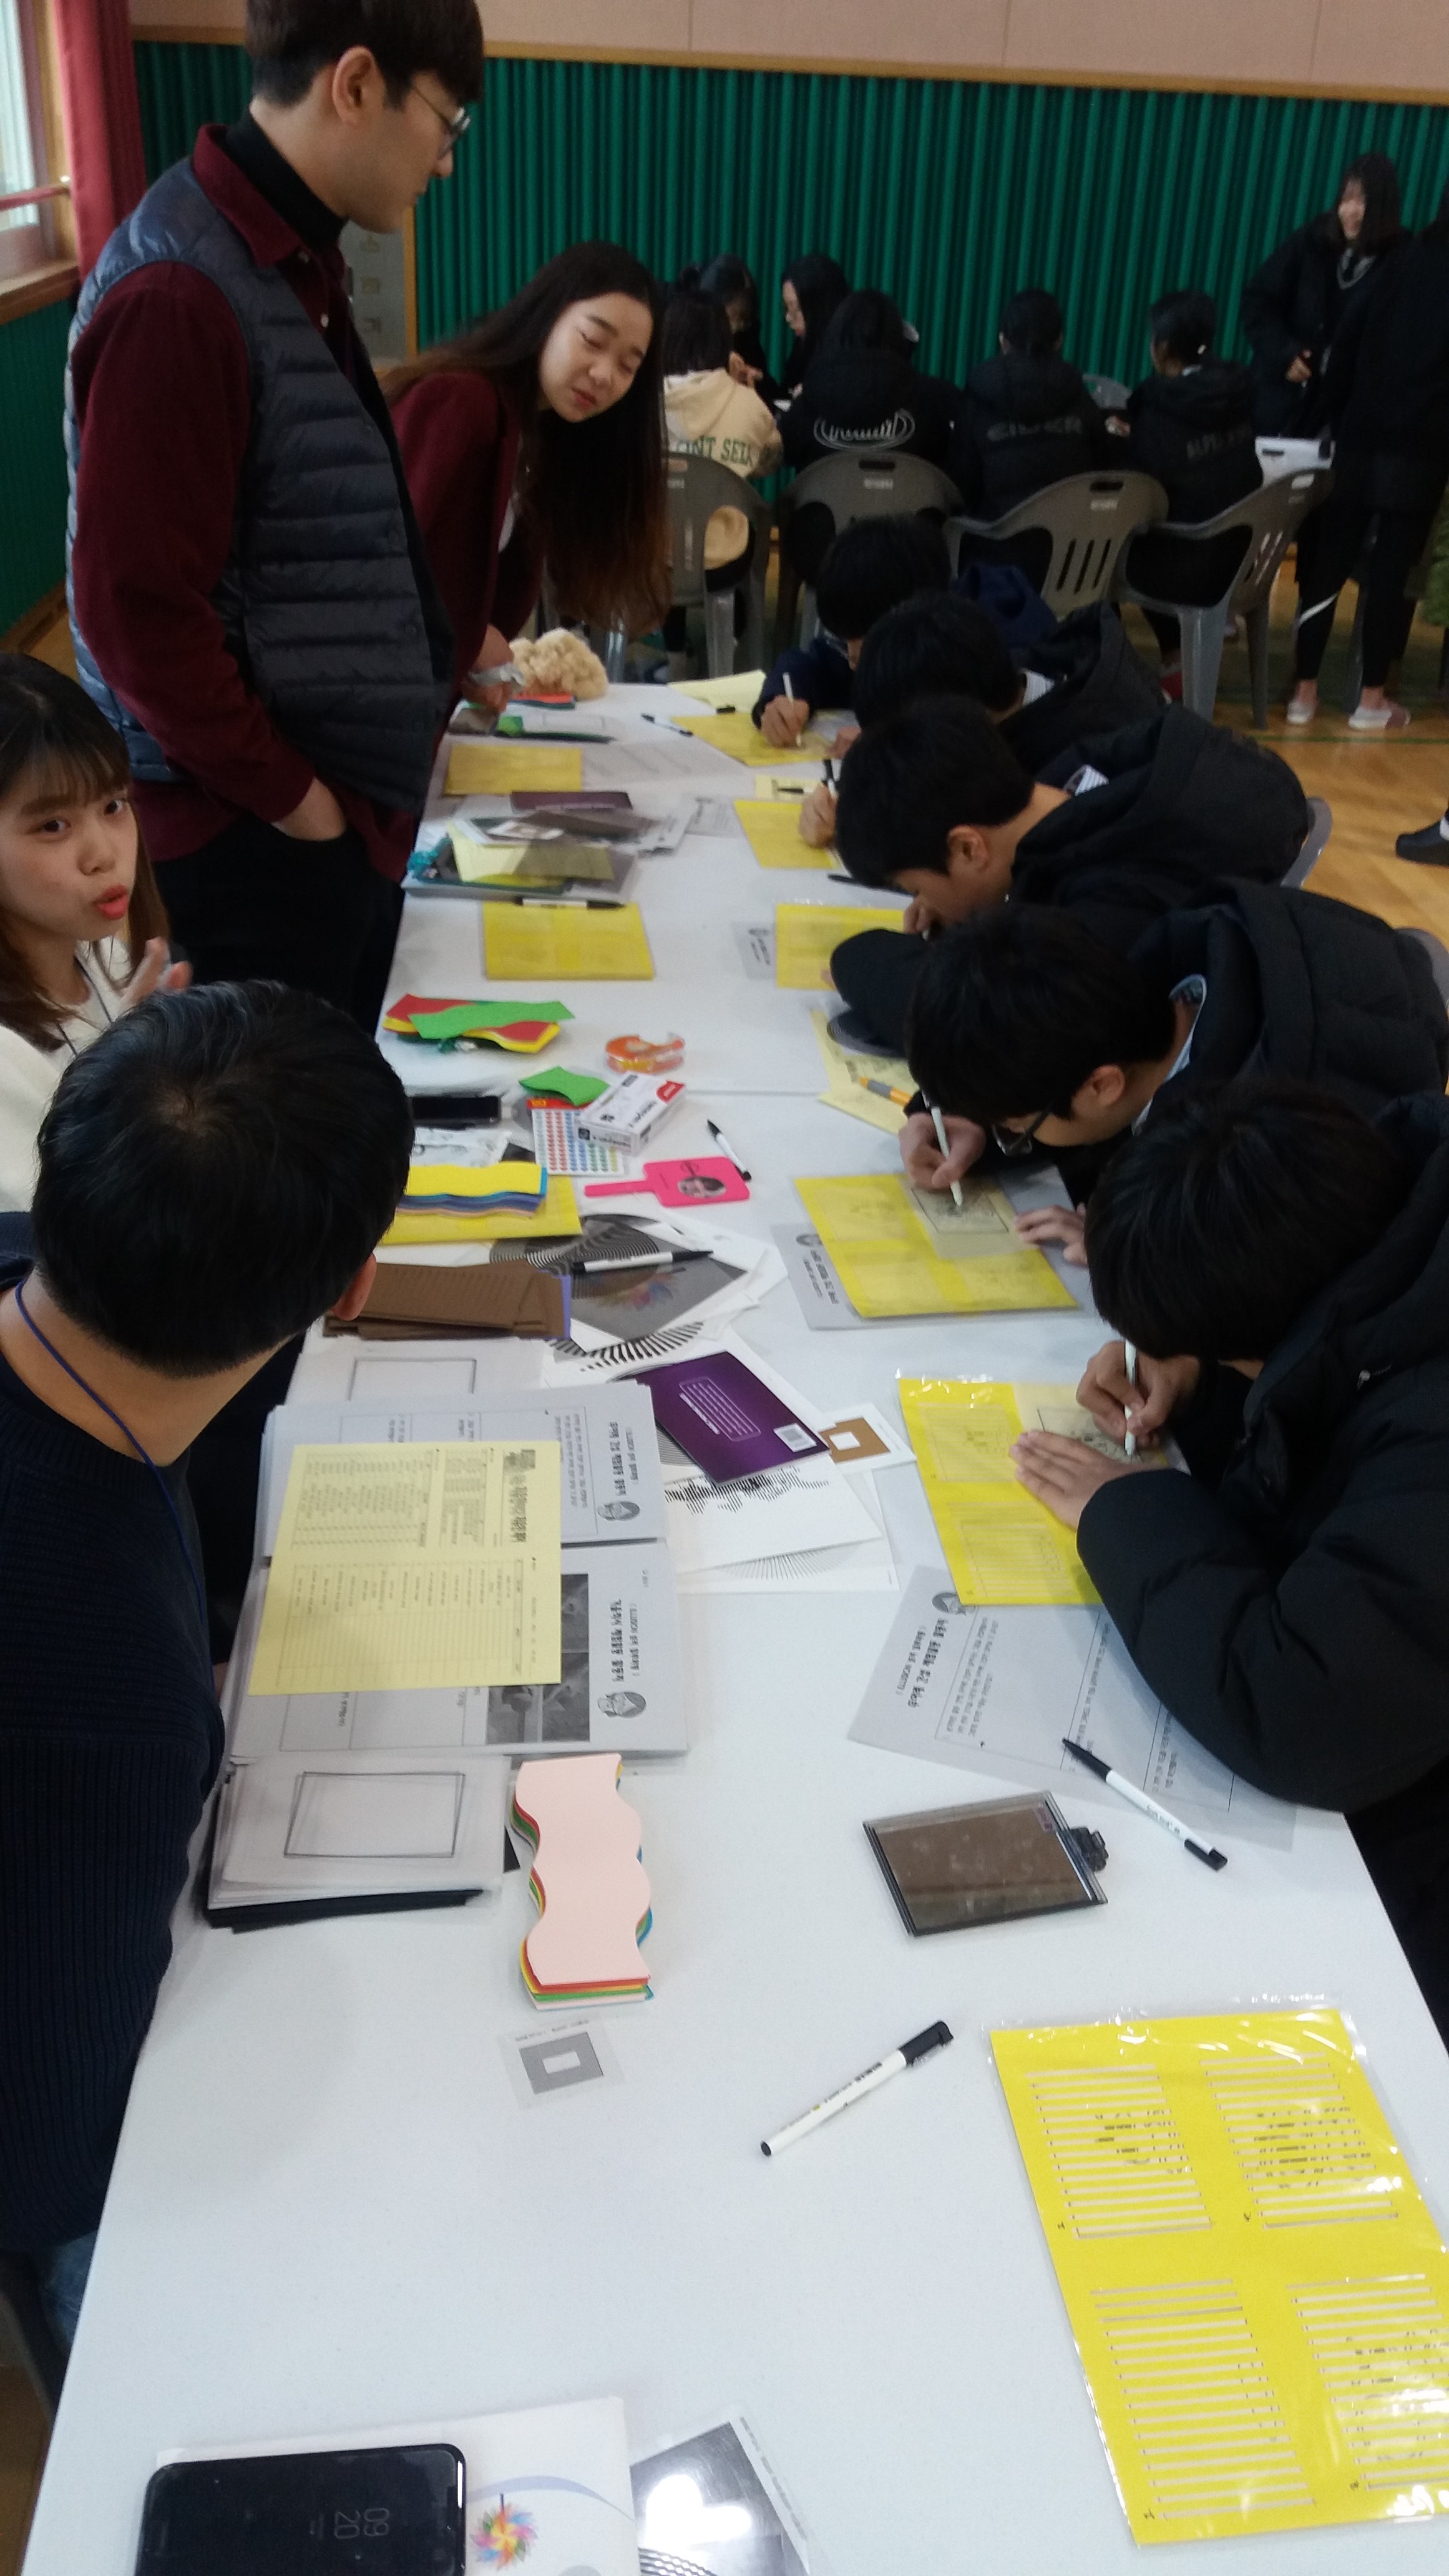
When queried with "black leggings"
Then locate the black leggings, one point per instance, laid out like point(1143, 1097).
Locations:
point(1336, 535)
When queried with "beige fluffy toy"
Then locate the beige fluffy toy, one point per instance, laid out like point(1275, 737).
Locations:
point(559, 660)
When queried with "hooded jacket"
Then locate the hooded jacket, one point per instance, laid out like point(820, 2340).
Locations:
point(711, 414)
point(1292, 303)
point(1289, 1601)
point(853, 399)
point(1195, 433)
point(1184, 803)
point(1024, 422)
point(1387, 383)
point(1099, 682)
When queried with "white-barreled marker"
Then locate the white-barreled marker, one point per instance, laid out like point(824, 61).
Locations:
point(1136, 1797)
point(910, 2052)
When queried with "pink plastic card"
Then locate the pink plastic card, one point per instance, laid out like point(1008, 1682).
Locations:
point(705, 1181)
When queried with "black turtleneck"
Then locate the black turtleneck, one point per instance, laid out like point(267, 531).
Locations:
point(274, 178)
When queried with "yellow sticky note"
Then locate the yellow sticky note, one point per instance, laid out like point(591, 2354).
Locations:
point(808, 934)
point(504, 768)
point(544, 942)
point(772, 828)
point(1257, 2292)
point(418, 1565)
point(740, 736)
point(1001, 1544)
point(559, 1214)
point(896, 1253)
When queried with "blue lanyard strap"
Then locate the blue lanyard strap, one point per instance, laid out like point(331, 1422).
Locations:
point(143, 1454)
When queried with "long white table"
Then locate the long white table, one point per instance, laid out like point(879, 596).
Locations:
point(329, 2209)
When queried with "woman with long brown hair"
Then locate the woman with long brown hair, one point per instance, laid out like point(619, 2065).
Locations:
point(82, 928)
point(536, 439)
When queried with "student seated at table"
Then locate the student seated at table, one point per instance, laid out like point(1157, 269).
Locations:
point(711, 411)
point(1120, 828)
point(1035, 1038)
point(1085, 677)
point(1191, 425)
point(1282, 1266)
point(871, 567)
point(214, 1174)
point(82, 927)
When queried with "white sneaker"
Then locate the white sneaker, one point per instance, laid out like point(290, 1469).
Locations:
point(1299, 714)
point(1389, 719)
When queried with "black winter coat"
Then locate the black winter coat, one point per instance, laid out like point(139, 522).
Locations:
point(1185, 803)
point(1195, 433)
point(1099, 683)
point(1293, 302)
point(1387, 385)
point(1289, 1601)
point(861, 398)
point(1022, 423)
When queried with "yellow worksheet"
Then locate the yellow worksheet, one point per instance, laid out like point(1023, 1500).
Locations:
point(846, 1075)
point(1258, 2294)
point(772, 828)
point(897, 1252)
point(1001, 1544)
point(418, 1565)
point(559, 942)
point(808, 934)
point(740, 736)
point(737, 689)
point(559, 1214)
point(502, 768)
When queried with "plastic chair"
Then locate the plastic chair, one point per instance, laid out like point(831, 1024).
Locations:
point(1089, 519)
point(1108, 392)
point(1438, 956)
point(877, 484)
point(1269, 519)
point(41, 2350)
point(1313, 843)
point(697, 488)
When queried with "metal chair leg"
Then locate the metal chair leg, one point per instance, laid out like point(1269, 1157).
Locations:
point(719, 633)
point(1203, 630)
point(1258, 625)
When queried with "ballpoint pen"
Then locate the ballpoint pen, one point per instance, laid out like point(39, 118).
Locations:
point(726, 1148)
point(1136, 1797)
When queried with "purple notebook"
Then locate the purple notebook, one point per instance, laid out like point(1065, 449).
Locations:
point(724, 1418)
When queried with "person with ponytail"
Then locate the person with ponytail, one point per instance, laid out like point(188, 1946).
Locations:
point(1191, 426)
point(535, 439)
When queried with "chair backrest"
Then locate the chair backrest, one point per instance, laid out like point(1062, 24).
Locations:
point(1269, 518)
point(1089, 518)
point(876, 484)
point(1437, 954)
point(1313, 843)
point(1108, 392)
point(697, 488)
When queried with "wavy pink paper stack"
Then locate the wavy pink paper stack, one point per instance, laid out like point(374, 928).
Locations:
point(587, 1880)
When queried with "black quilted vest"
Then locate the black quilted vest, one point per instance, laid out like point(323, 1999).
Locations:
point(319, 599)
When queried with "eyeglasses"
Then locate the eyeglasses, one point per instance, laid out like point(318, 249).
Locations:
point(1014, 1141)
point(455, 127)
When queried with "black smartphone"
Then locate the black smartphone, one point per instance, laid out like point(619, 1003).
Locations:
point(455, 1108)
point(309, 2513)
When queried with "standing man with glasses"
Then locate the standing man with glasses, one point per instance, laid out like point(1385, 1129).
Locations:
point(250, 597)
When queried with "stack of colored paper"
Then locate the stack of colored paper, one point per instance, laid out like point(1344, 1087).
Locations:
point(587, 1881)
point(458, 1203)
point(524, 1028)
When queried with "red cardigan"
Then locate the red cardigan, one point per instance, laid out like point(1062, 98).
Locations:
point(458, 433)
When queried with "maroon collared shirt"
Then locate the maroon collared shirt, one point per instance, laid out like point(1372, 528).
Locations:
point(163, 398)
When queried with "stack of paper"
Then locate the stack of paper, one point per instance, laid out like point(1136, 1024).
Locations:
point(496, 768)
point(523, 1028)
point(607, 946)
point(462, 1189)
point(542, 1208)
point(587, 1881)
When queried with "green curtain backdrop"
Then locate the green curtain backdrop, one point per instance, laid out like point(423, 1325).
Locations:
point(948, 193)
point(32, 494)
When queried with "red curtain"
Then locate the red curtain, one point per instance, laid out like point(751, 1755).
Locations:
point(102, 118)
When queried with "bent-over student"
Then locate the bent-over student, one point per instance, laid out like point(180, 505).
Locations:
point(1120, 828)
point(1281, 1265)
point(871, 567)
point(1087, 677)
point(214, 1174)
point(1034, 1037)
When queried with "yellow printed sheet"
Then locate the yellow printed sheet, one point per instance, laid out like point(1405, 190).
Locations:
point(559, 1215)
point(808, 934)
point(1001, 1544)
point(897, 1251)
point(740, 736)
point(772, 828)
point(560, 942)
point(1258, 2294)
point(414, 1566)
point(737, 689)
point(846, 1075)
point(500, 768)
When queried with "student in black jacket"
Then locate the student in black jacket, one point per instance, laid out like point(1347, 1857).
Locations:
point(812, 290)
point(861, 390)
point(1289, 1600)
point(1026, 419)
point(1037, 1039)
point(1085, 678)
point(1190, 425)
point(1291, 306)
point(1388, 396)
point(214, 1174)
point(729, 280)
point(871, 566)
point(1118, 829)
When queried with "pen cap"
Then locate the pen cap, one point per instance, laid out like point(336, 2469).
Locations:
point(924, 2041)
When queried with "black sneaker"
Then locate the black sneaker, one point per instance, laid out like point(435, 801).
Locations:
point(1429, 846)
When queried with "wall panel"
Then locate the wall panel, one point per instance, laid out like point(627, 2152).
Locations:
point(32, 490)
